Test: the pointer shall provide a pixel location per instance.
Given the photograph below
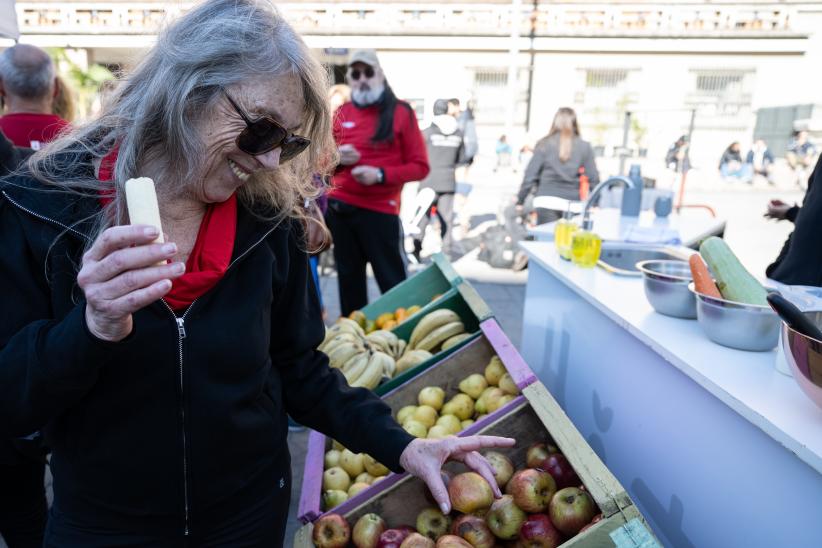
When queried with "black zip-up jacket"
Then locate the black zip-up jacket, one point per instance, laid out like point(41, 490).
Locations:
point(183, 423)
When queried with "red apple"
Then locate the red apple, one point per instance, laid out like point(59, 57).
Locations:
point(561, 470)
point(393, 538)
point(470, 492)
point(532, 489)
point(571, 509)
point(367, 531)
point(416, 540)
point(504, 518)
point(432, 523)
point(538, 452)
point(594, 521)
point(502, 466)
point(452, 541)
point(474, 530)
point(539, 532)
point(331, 531)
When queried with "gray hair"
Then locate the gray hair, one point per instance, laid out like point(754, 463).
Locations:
point(153, 114)
point(27, 72)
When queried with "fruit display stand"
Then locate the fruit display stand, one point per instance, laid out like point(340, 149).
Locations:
point(420, 289)
point(446, 373)
point(531, 418)
point(469, 306)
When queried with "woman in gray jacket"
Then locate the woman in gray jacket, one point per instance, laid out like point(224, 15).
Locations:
point(557, 163)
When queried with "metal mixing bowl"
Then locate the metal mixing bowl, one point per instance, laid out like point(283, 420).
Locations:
point(804, 357)
point(737, 325)
point(666, 287)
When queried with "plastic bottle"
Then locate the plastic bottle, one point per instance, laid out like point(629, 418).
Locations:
point(584, 184)
point(585, 245)
point(632, 197)
point(563, 230)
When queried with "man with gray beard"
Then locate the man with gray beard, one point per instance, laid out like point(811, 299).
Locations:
point(381, 148)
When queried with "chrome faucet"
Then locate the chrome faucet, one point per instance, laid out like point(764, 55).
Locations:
point(631, 189)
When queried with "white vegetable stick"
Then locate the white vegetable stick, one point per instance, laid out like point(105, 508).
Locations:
point(142, 204)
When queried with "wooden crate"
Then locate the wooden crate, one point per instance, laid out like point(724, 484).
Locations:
point(533, 417)
point(447, 373)
point(419, 289)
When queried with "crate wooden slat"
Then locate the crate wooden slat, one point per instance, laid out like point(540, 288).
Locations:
point(446, 373)
point(530, 418)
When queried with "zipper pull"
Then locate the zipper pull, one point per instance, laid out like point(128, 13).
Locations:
point(181, 328)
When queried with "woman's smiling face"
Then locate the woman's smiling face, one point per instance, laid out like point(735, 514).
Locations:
point(227, 167)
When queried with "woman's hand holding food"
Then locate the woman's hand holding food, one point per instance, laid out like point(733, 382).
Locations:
point(120, 275)
point(424, 459)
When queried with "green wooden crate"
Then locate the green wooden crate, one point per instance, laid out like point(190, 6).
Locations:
point(463, 300)
point(419, 289)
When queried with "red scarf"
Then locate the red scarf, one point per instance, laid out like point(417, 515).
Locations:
point(212, 251)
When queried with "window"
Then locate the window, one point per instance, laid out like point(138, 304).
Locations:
point(491, 78)
point(721, 92)
point(491, 97)
point(605, 78)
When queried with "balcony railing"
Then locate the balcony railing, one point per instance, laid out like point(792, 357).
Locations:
point(653, 20)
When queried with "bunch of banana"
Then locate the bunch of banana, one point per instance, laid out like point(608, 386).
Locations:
point(435, 329)
point(343, 325)
point(386, 341)
point(367, 369)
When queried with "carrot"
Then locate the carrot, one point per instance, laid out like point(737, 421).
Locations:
point(703, 283)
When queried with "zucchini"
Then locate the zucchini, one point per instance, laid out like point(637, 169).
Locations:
point(734, 282)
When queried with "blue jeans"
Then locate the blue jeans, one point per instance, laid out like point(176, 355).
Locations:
point(744, 173)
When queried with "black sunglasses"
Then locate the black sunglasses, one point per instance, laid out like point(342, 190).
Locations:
point(355, 73)
point(264, 134)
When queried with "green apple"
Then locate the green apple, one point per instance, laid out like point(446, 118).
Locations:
point(433, 396)
point(473, 385)
point(415, 428)
point(336, 479)
point(406, 412)
point(334, 497)
point(450, 422)
point(426, 415)
point(494, 371)
point(352, 463)
point(332, 459)
point(432, 523)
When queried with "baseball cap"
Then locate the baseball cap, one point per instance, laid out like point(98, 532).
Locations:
point(367, 56)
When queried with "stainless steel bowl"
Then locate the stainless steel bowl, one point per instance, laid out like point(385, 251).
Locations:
point(666, 287)
point(737, 325)
point(804, 357)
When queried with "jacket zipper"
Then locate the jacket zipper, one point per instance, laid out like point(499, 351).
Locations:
point(181, 334)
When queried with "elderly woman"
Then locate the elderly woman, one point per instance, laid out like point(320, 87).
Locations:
point(162, 373)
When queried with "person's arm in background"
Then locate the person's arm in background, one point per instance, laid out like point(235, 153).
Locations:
point(530, 179)
point(590, 165)
point(414, 165)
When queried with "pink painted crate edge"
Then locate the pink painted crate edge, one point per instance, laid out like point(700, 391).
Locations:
point(507, 352)
point(311, 490)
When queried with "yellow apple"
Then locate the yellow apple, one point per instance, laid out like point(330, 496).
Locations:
point(507, 385)
point(404, 413)
point(336, 445)
point(494, 371)
point(473, 385)
point(415, 428)
point(336, 479)
point(356, 488)
point(332, 459)
point(365, 477)
point(334, 497)
point(373, 467)
point(466, 423)
point(450, 422)
point(425, 414)
point(492, 400)
point(463, 406)
point(438, 431)
point(352, 463)
point(433, 396)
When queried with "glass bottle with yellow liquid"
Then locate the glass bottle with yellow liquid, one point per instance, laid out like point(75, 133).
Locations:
point(585, 245)
point(563, 230)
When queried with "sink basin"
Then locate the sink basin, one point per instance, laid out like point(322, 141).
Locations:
point(621, 258)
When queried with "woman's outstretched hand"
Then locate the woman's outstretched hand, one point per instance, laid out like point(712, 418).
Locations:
point(424, 458)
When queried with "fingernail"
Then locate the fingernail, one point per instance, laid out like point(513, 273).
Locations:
point(444, 508)
point(178, 268)
point(151, 232)
point(170, 248)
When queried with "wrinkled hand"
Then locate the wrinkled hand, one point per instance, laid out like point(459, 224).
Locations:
point(777, 209)
point(348, 155)
point(424, 458)
point(366, 175)
point(120, 275)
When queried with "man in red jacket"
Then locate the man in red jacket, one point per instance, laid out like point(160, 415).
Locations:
point(381, 148)
point(28, 85)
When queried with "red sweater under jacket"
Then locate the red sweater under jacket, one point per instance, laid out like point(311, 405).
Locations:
point(404, 159)
point(30, 129)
